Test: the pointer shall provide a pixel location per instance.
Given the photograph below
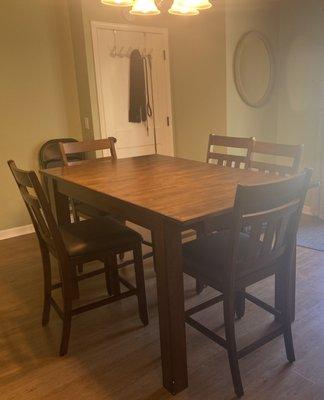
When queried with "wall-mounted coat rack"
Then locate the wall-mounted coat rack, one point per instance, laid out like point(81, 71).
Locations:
point(122, 52)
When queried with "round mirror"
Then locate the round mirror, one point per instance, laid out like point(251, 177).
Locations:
point(253, 68)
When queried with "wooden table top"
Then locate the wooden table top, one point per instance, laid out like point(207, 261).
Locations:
point(182, 190)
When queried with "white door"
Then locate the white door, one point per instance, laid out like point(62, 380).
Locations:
point(112, 45)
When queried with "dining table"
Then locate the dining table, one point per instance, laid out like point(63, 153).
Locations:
point(168, 196)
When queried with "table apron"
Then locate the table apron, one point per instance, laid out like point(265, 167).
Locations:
point(103, 202)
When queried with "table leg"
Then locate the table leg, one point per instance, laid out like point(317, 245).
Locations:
point(59, 203)
point(168, 259)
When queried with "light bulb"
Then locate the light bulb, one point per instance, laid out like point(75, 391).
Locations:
point(118, 3)
point(144, 7)
point(183, 7)
point(202, 4)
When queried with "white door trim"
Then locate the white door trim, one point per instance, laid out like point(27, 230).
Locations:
point(97, 25)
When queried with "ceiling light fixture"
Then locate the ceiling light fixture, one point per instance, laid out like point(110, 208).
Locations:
point(202, 4)
point(183, 7)
point(117, 3)
point(149, 7)
point(144, 7)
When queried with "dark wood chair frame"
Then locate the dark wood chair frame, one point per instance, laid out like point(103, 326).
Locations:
point(292, 152)
point(51, 243)
point(272, 213)
point(49, 155)
point(68, 149)
point(229, 160)
point(289, 152)
point(226, 160)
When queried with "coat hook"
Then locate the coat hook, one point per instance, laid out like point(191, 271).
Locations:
point(113, 52)
point(129, 51)
point(120, 53)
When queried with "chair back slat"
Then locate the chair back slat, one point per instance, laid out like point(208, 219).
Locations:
point(86, 147)
point(291, 153)
point(22, 178)
point(269, 238)
point(43, 227)
point(229, 160)
point(269, 215)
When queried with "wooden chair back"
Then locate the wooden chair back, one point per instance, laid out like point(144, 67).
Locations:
point(292, 153)
point(269, 214)
point(67, 149)
point(40, 211)
point(229, 160)
point(49, 155)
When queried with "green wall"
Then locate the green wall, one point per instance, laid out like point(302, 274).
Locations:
point(38, 98)
point(47, 81)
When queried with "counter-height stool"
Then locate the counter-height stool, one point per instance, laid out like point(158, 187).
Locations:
point(276, 159)
point(260, 243)
point(79, 243)
point(220, 152)
point(283, 159)
point(75, 153)
point(69, 150)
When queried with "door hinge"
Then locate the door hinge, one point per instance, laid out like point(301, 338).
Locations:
point(164, 55)
point(168, 121)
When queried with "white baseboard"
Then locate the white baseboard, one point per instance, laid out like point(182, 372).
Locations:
point(18, 231)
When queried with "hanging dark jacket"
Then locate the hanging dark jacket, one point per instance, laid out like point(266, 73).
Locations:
point(137, 95)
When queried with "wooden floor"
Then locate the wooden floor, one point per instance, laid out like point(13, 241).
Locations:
point(113, 357)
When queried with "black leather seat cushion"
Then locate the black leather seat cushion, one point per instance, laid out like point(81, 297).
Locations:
point(206, 256)
point(97, 235)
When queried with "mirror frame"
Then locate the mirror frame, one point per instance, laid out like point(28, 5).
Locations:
point(237, 74)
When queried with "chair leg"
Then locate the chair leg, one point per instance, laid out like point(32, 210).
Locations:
point(293, 285)
point(289, 344)
point(229, 312)
point(113, 275)
point(122, 255)
point(47, 286)
point(286, 317)
point(107, 276)
point(279, 292)
point(66, 327)
point(240, 304)
point(200, 286)
point(140, 284)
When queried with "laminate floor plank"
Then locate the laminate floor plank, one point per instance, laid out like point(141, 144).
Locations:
point(112, 357)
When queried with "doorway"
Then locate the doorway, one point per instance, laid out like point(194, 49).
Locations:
point(112, 45)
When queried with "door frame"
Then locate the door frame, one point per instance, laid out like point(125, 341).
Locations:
point(98, 25)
